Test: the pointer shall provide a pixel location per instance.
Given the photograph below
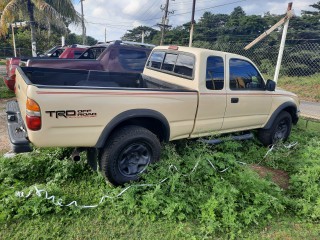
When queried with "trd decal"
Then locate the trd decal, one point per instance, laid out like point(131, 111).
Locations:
point(71, 114)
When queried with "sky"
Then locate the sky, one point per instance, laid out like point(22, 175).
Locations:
point(121, 15)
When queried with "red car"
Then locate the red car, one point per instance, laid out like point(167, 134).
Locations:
point(74, 51)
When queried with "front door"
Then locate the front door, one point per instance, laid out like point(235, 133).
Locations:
point(248, 103)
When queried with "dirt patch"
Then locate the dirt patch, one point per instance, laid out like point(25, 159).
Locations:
point(5, 145)
point(280, 177)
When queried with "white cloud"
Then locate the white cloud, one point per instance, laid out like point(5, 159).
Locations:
point(132, 8)
point(121, 15)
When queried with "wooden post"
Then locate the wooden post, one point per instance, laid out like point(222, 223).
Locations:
point(192, 23)
point(270, 30)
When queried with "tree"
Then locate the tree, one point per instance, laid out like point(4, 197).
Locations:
point(313, 13)
point(210, 27)
point(136, 34)
point(48, 12)
point(73, 38)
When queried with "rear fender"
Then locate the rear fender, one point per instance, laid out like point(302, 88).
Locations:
point(134, 117)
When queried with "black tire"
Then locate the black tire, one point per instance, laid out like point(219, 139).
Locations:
point(279, 131)
point(127, 154)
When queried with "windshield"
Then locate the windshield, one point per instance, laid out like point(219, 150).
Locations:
point(51, 50)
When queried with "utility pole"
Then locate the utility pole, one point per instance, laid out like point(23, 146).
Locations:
point(192, 23)
point(83, 26)
point(164, 24)
point(142, 37)
point(105, 35)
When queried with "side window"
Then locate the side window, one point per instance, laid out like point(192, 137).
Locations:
point(132, 60)
point(57, 53)
point(92, 53)
point(244, 76)
point(176, 63)
point(215, 73)
point(77, 54)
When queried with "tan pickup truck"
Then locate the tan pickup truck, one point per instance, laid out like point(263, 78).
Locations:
point(121, 118)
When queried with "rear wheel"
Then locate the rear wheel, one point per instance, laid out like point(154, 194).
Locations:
point(127, 154)
point(279, 131)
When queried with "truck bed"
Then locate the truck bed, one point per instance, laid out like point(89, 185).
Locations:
point(66, 78)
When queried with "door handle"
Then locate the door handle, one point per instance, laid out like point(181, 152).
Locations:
point(234, 100)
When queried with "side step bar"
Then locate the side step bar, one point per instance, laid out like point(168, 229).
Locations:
point(235, 138)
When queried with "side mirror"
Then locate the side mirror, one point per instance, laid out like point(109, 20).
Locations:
point(271, 85)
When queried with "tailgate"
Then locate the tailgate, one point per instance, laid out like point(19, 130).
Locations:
point(22, 82)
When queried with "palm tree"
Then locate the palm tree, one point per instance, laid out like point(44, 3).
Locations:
point(52, 12)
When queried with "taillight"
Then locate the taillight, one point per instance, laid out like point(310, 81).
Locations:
point(33, 118)
point(33, 123)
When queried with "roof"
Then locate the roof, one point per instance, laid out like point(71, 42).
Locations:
point(195, 51)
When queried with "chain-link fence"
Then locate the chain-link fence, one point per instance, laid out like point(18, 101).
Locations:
point(8, 52)
point(298, 59)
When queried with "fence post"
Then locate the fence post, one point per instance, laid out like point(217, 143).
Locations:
point(283, 41)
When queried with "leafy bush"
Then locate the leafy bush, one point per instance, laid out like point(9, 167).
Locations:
point(208, 188)
point(306, 183)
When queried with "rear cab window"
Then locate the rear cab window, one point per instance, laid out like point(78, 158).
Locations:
point(175, 63)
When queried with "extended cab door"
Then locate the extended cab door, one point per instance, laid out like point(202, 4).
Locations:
point(212, 95)
point(248, 103)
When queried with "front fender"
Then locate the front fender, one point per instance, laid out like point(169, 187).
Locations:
point(287, 106)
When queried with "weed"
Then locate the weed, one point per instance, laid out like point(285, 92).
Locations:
point(4, 90)
point(207, 191)
point(307, 88)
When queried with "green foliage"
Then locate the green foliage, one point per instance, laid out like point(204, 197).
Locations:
point(206, 188)
point(73, 38)
point(136, 34)
point(306, 88)
point(305, 182)
point(4, 91)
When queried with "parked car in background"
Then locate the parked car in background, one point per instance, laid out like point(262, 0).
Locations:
point(73, 51)
point(114, 56)
point(54, 52)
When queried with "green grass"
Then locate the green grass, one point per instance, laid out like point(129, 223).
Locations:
point(191, 204)
point(4, 90)
point(307, 88)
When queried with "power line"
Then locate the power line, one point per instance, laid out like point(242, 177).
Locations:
point(148, 12)
point(198, 10)
point(221, 5)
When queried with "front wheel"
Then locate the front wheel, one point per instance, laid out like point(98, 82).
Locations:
point(279, 131)
point(128, 153)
